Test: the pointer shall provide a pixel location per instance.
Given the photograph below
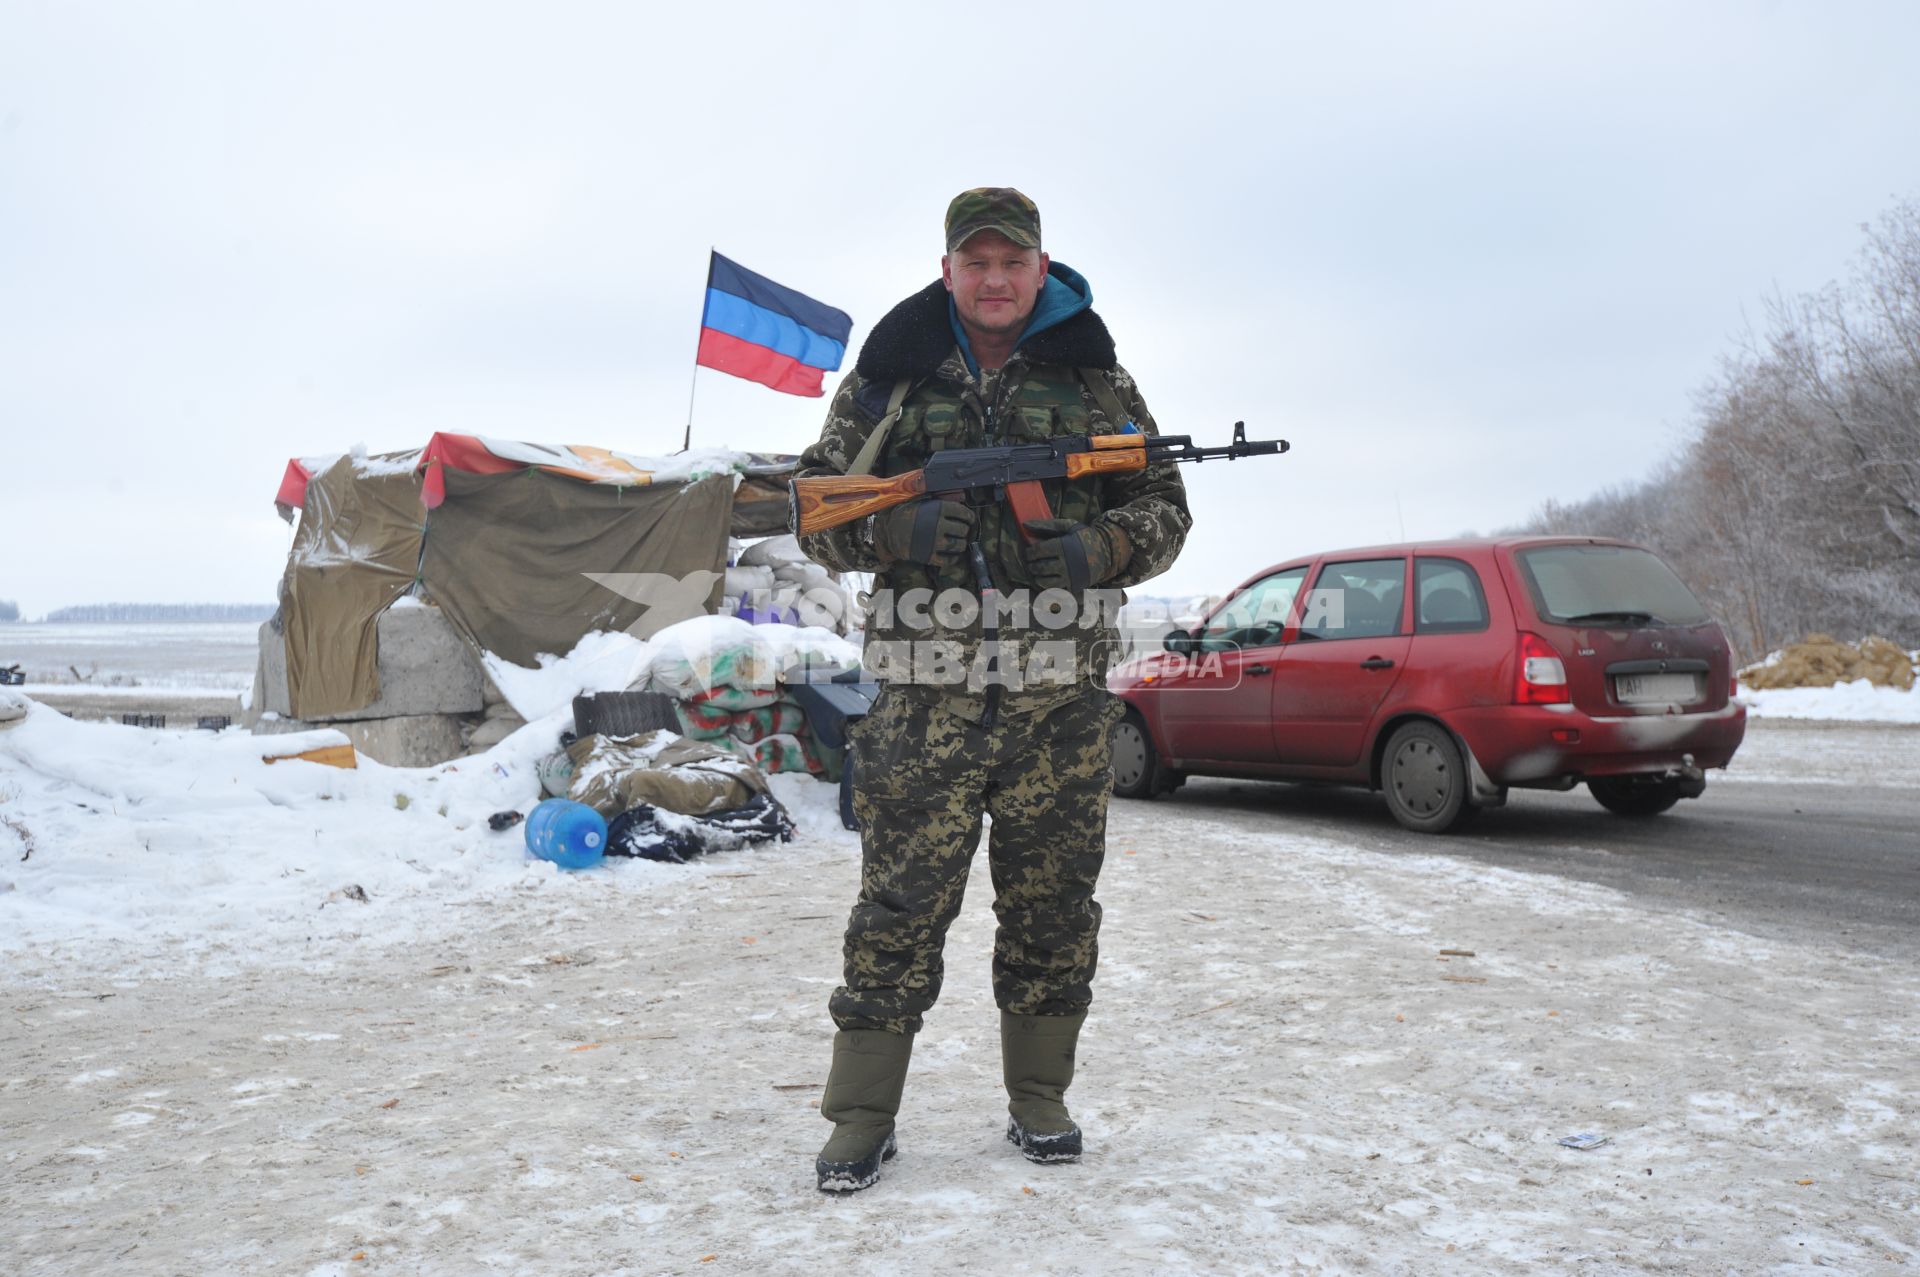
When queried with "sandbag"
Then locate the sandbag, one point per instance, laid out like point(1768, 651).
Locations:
point(492, 730)
point(703, 720)
point(556, 773)
point(788, 752)
point(781, 718)
point(773, 551)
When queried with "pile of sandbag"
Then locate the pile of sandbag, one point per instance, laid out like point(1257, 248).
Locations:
point(725, 677)
point(498, 719)
point(777, 735)
point(771, 581)
point(1820, 660)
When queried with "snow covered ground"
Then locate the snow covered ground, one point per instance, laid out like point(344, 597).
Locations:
point(1856, 702)
point(1816, 752)
point(218, 1057)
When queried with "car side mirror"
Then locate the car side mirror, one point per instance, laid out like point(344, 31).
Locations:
point(1178, 641)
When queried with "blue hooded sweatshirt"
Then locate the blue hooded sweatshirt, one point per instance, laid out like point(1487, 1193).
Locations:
point(1065, 294)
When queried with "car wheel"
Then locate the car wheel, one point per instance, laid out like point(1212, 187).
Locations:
point(1136, 769)
point(1635, 795)
point(1425, 779)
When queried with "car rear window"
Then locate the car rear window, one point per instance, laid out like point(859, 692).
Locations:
point(1592, 584)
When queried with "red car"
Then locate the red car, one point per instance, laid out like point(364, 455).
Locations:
point(1443, 673)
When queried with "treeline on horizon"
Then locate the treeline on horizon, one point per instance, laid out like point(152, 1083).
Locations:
point(1793, 507)
point(134, 613)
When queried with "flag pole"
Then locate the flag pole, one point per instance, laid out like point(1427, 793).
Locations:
point(686, 441)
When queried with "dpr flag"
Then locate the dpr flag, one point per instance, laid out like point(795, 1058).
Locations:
point(765, 332)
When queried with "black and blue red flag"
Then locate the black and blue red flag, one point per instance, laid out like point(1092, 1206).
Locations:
point(765, 332)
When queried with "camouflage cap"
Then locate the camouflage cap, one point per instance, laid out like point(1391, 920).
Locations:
point(993, 208)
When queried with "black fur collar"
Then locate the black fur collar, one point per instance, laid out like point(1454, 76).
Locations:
point(914, 338)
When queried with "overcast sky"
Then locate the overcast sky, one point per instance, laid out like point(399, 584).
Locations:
point(1465, 257)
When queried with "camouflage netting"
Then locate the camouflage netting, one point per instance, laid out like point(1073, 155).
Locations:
point(1820, 660)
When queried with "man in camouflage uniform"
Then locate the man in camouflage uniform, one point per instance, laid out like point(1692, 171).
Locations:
point(1004, 348)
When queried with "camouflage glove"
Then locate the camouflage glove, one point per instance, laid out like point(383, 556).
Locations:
point(926, 531)
point(1073, 556)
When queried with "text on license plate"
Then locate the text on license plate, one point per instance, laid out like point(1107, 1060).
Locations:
point(1642, 689)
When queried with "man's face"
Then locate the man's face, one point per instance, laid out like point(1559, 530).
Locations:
point(994, 281)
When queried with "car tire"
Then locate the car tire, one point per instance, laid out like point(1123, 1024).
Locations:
point(1634, 796)
point(1136, 766)
point(1424, 776)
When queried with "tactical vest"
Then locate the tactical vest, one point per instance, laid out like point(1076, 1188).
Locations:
point(926, 417)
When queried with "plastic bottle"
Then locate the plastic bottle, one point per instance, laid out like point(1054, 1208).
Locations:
point(571, 835)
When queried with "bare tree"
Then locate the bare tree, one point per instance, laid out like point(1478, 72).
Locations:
point(1794, 505)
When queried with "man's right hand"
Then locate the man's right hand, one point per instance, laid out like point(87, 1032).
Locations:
point(926, 531)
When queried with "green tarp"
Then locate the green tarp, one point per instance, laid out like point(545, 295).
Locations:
point(528, 563)
point(521, 564)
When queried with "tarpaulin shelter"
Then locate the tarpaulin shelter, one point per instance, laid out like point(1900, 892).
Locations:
point(525, 548)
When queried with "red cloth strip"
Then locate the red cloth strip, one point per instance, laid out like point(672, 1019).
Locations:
point(293, 486)
point(462, 452)
point(727, 353)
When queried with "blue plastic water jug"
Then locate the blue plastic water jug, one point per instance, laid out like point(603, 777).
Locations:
point(571, 835)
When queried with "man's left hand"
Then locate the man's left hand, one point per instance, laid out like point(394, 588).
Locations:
point(1073, 556)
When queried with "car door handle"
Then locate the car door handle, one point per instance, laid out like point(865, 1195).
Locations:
point(1376, 663)
point(1259, 669)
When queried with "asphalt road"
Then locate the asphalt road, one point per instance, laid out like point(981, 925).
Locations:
point(1813, 835)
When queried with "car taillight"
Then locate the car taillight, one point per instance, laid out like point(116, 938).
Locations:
point(1540, 678)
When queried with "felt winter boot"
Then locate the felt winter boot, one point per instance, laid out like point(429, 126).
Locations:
point(1036, 1052)
point(862, 1098)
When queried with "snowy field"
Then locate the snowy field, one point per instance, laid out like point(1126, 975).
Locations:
point(211, 659)
point(218, 1058)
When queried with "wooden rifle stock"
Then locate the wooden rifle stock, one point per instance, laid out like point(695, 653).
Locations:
point(831, 500)
point(1108, 454)
point(814, 505)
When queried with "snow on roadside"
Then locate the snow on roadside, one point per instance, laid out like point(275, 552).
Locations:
point(178, 842)
point(1305, 1057)
point(599, 662)
point(1859, 701)
point(687, 657)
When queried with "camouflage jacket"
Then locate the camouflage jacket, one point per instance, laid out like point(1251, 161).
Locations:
point(1038, 393)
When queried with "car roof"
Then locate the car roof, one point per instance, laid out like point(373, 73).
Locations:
point(1456, 545)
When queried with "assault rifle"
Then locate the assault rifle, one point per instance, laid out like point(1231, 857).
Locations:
point(1011, 473)
point(1016, 470)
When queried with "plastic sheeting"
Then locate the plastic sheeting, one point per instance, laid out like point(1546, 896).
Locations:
point(521, 563)
point(529, 562)
point(355, 551)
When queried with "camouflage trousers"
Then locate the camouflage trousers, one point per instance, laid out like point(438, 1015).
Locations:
point(924, 775)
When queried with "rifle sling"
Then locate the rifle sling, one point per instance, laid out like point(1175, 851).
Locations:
point(870, 450)
point(1095, 380)
point(1104, 394)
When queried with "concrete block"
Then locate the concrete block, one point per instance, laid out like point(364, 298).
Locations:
point(413, 740)
point(492, 731)
point(425, 668)
point(270, 695)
